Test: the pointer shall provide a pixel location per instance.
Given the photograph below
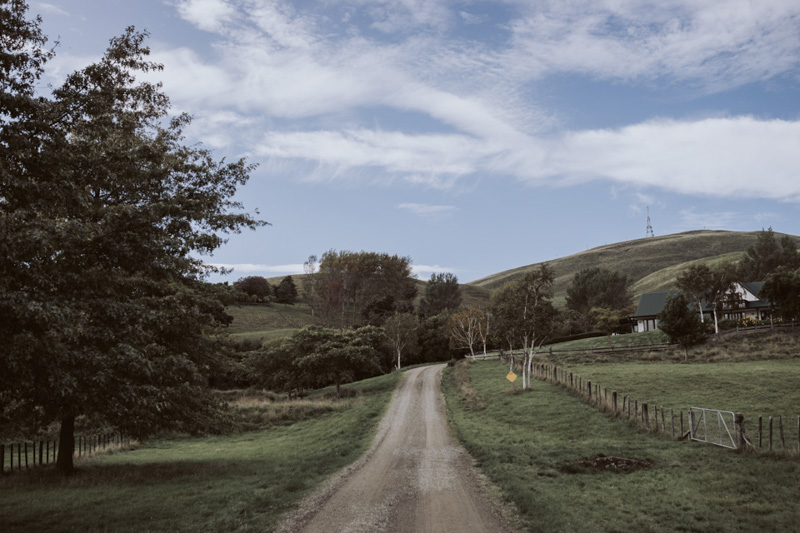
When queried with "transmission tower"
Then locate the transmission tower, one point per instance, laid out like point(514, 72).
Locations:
point(649, 226)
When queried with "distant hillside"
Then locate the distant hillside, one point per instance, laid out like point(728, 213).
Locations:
point(653, 263)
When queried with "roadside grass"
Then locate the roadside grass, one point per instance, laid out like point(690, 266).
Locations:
point(241, 482)
point(538, 446)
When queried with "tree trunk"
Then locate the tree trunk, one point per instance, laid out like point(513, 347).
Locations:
point(338, 390)
point(66, 445)
point(700, 306)
point(716, 323)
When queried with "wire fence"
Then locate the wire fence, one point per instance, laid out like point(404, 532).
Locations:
point(29, 454)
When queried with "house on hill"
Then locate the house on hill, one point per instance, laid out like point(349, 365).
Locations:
point(742, 302)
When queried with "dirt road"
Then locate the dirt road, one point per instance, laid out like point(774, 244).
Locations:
point(415, 478)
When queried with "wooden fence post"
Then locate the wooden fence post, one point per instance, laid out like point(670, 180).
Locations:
point(41, 450)
point(672, 416)
point(780, 428)
point(738, 421)
point(614, 401)
point(2, 459)
point(589, 387)
point(759, 430)
point(663, 422)
point(645, 414)
point(770, 433)
point(681, 422)
point(691, 423)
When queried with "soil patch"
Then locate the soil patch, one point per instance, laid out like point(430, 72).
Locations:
point(606, 463)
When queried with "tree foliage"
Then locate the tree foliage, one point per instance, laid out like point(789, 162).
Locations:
point(611, 321)
point(523, 314)
point(704, 285)
point(104, 211)
point(257, 287)
point(286, 291)
point(597, 287)
point(681, 323)
point(465, 328)
point(401, 335)
point(317, 357)
point(347, 283)
point(766, 255)
point(782, 290)
point(442, 293)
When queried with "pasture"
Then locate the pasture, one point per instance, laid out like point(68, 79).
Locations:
point(565, 466)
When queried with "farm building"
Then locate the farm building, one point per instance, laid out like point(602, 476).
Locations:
point(742, 302)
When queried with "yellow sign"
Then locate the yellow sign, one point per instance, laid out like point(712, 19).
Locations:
point(511, 377)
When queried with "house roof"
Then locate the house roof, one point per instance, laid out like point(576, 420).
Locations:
point(651, 303)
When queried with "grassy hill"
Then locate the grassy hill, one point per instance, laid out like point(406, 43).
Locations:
point(653, 263)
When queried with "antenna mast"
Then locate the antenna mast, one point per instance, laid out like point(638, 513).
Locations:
point(649, 226)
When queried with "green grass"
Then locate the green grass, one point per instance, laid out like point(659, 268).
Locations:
point(630, 339)
point(240, 482)
point(268, 321)
point(750, 387)
point(531, 446)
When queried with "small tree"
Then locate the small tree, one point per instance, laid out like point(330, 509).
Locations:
point(681, 324)
point(610, 321)
point(401, 334)
point(597, 287)
point(464, 328)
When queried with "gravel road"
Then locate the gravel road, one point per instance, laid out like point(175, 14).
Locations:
point(414, 478)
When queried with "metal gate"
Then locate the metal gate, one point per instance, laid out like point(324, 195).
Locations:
point(712, 426)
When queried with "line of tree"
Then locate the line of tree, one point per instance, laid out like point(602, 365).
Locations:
point(258, 289)
point(104, 212)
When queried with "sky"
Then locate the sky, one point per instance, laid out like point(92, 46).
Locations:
point(473, 137)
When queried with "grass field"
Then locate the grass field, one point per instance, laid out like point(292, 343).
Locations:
point(267, 322)
point(542, 448)
point(240, 482)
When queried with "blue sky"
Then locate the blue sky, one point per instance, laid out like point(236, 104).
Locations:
point(474, 136)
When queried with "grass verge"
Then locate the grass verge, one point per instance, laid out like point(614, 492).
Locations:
point(548, 453)
point(242, 482)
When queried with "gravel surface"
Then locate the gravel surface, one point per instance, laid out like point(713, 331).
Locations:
point(414, 478)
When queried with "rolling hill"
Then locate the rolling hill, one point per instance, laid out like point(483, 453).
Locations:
point(652, 263)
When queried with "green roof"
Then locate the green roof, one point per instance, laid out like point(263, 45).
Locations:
point(651, 303)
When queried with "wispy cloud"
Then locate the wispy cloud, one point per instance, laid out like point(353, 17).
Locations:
point(427, 210)
point(319, 69)
point(266, 270)
point(419, 270)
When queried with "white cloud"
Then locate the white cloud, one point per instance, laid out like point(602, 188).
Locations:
point(418, 270)
point(740, 157)
point(427, 210)
point(251, 268)
point(717, 44)
point(208, 15)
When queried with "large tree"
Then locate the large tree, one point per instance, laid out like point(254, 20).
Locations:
point(782, 290)
point(350, 285)
point(442, 293)
point(286, 291)
point(104, 212)
point(597, 287)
